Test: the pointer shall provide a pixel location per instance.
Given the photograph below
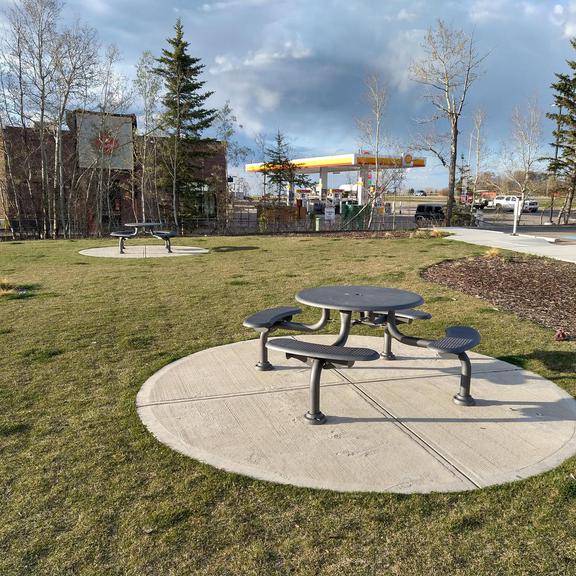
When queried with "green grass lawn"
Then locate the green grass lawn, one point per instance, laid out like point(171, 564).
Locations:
point(85, 489)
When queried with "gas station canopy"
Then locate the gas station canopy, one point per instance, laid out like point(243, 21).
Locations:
point(347, 163)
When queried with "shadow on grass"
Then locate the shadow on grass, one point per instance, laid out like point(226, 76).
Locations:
point(233, 248)
point(40, 355)
point(18, 291)
point(14, 428)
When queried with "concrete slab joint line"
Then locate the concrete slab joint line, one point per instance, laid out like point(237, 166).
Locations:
point(389, 427)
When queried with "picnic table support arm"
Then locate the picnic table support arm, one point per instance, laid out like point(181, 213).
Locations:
point(324, 319)
point(345, 323)
point(392, 330)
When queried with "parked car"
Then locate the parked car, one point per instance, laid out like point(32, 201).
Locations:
point(530, 205)
point(429, 214)
point(420, 193)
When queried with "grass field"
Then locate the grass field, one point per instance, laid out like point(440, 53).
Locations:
point(85, 489)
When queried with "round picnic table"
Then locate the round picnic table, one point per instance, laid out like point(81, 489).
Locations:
point(348, 299)
point(143, 225)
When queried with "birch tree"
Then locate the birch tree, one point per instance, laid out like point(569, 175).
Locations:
point(75, 61)
point(33, 30)
point(148, 85)
point(449, 66)
point(373, 136)
point(522, 154)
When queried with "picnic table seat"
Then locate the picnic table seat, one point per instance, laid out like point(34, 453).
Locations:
point(320, 354)
point(165, 235)
point(266, 321)
point(458, 340)
point(122, 236)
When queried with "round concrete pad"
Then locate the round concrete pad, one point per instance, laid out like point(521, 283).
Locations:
point(391, 425)
point(141, 251)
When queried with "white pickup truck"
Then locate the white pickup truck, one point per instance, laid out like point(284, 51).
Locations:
point(507, 203)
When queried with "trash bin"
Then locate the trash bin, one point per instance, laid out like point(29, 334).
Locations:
point(353, 217)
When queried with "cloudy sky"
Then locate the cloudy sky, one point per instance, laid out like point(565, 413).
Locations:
point(300, 65)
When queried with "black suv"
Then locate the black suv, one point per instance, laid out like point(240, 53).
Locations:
point(429, 214)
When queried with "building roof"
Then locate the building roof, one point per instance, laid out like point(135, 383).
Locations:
point(347, 162)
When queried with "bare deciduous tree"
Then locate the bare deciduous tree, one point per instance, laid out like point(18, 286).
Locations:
point(449, 67)
point(148, 85)
point(480, 151)
point(372, 135)
point(523, 154)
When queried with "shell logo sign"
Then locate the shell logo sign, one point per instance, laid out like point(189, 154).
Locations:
point(407, 161)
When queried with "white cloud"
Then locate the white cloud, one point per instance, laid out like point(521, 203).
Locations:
point(288, 50)
point(100, 7)
point(487, 10)
point(404, 15)
point(403, 48)
point(228, 4)
point(564, 16)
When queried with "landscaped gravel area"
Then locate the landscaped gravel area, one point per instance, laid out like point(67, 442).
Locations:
point(538, 289)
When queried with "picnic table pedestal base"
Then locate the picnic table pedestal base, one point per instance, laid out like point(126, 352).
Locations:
point(314, 415)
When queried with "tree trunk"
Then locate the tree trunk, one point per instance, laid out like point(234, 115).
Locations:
point(143, 178)
point(452, 168)
point(174, 177)
point(564, 215)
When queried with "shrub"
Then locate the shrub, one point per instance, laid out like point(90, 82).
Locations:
point(492, 253)
point(7, 287)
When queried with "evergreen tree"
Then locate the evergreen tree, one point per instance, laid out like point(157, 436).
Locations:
point(563, 165)
point(184, 118)
point(279, 170)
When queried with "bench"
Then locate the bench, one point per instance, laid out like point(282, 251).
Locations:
point(377, 319)
point(122, 237)
point(267, 321)
point(458, 340)
point(165, 235)
point(320, 354)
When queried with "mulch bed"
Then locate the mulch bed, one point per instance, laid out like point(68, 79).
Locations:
point(538, 289)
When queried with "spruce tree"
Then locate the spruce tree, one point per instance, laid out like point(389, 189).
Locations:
point(184, 119)
point(563, 165)
point(278, 168)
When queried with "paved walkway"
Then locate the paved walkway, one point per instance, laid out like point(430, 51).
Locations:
point(143, 251)
point(521, 243)
point(391, 426)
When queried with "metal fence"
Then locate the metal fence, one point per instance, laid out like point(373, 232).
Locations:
point(250, 221)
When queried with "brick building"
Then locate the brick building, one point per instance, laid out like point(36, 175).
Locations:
point(100, 184)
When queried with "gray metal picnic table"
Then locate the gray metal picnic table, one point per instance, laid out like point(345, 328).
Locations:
point(363, 299)
point(377, 307)
point(144, 228)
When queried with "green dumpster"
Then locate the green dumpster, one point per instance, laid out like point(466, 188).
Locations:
point(353, 217)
